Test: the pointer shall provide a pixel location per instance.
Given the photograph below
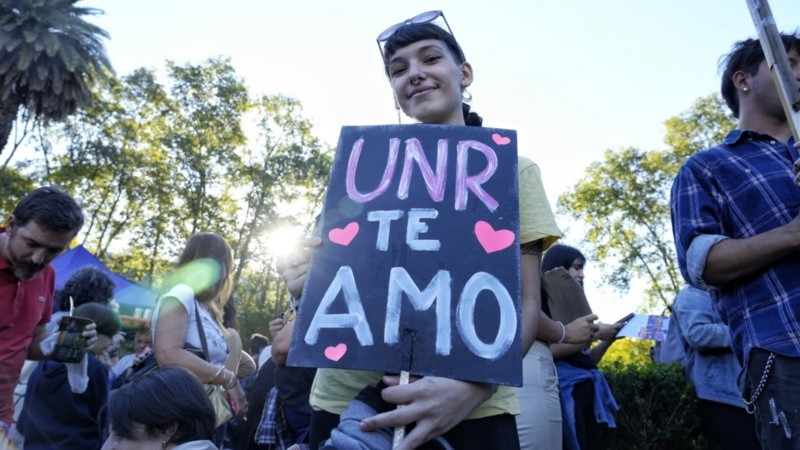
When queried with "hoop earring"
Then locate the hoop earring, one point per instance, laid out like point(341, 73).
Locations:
point(466, 96)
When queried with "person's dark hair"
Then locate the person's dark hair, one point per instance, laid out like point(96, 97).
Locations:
point(87, 285)
point(746, 56)
point(230, 317)
point(258, 342)
point(162, 399)
point(413, 32)
point(107, 321)
point(561, 255)
point(51, 208)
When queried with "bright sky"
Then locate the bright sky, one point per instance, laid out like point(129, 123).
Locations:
point(572, 77)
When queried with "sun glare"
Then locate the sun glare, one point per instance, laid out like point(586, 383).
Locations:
point(281, 241)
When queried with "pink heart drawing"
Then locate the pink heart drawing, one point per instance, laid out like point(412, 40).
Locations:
point(500, 140)
point(336, 353)
point(343, 236)
point(493, 240)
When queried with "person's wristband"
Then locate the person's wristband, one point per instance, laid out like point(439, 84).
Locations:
point(563, 332)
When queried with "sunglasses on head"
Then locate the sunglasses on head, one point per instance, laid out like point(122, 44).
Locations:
point(425, 17)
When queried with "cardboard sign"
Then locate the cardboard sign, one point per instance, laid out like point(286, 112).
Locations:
point(419, 265)
point(565, 297)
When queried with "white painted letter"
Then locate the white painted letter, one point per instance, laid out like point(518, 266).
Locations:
point(384, 219)
point(465, 316)
point(415, 227)
point(356, 318)
point(473, 183)
point(439, 288)
point(434, 182)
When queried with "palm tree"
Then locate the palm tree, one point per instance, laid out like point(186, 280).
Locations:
point(49, 58)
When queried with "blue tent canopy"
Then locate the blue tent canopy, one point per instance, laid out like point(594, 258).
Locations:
point(128, 294)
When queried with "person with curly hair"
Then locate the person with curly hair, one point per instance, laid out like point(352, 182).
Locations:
point(87, 285)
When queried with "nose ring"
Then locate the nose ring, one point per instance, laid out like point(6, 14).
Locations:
point(415, 81)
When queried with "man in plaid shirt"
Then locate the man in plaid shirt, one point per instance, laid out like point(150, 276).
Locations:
point(737, 232)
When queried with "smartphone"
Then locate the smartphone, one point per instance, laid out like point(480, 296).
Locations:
point(626, 318)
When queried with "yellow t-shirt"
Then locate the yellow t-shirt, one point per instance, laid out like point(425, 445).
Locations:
point(333, 388)
point(536, 219)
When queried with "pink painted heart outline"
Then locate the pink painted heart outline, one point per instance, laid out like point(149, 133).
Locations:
point(493, 240)
point(500, 140)
point(335, 353)
point(343, 236)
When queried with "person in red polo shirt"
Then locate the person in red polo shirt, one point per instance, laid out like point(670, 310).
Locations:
point(39, 229)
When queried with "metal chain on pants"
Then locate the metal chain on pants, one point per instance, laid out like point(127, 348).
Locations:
point(750, 405)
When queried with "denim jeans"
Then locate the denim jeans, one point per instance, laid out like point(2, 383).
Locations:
point(778, 405)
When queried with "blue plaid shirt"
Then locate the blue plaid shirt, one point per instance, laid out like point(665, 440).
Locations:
point(740, 189)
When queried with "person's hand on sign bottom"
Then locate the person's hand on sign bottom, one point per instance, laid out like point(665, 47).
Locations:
point(435, 404)
point(293, 267)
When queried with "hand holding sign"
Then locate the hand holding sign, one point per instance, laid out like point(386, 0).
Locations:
point(293, 267)
point(434, 404)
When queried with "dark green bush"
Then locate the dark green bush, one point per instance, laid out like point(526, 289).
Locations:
point(658, 408)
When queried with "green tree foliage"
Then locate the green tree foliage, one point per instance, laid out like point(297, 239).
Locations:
point(284, 171)
point(204, 135)
point(623, 201)
point(704, 125)
point(49, 58)
point(287, 163)
point(154, 159)
point(14, 185)
point(109, 155)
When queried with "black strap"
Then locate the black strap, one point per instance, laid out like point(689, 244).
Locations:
point(200, 330)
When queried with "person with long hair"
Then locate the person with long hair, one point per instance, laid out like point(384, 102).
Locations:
point(581, 384)
point(201, 285)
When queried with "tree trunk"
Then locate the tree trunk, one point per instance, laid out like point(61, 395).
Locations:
point(8, 115)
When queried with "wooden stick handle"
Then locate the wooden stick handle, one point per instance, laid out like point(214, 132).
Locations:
point(777, 61)
point(400, 432)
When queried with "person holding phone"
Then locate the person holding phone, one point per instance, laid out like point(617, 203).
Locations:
point(580, 382)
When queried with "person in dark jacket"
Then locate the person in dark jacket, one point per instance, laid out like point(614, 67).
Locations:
point(54, 417)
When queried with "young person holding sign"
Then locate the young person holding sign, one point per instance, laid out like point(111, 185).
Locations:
point(429, 74)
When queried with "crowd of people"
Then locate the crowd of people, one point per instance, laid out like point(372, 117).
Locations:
point(189, 384)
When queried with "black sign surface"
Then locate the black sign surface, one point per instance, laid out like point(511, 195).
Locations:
point(419, 266)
